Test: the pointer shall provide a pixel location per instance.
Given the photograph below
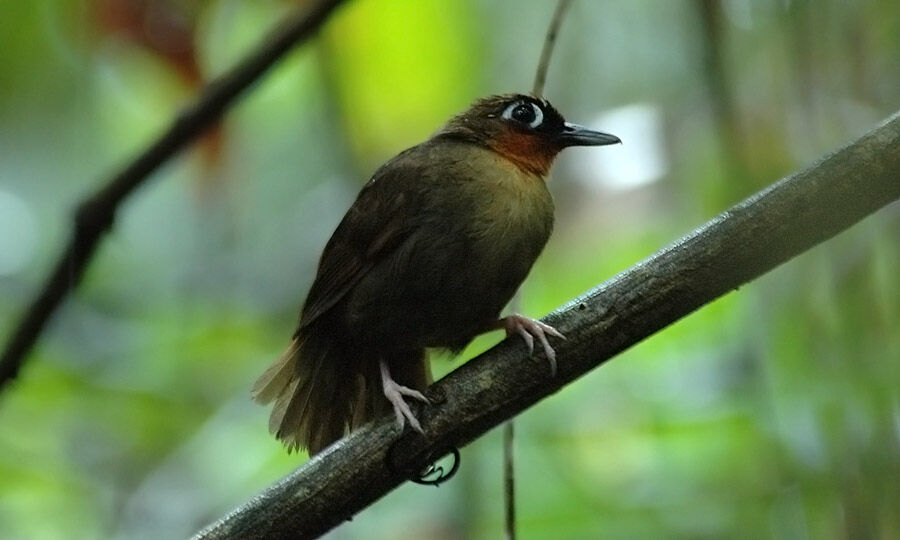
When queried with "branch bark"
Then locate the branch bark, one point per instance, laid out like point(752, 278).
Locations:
point(95, 215)
point(745, 241)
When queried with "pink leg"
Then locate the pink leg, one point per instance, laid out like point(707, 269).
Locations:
point(529, 329)
point(394, 393)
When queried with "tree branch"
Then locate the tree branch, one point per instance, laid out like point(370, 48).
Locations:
point(509, 430)
point(540, 75)
point(96, 214)
point(745, 241)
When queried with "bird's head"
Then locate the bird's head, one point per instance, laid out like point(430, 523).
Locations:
point(524, 129)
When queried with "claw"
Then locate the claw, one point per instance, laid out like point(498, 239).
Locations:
point(529, 339)
point(529, 329)
point(394, 393)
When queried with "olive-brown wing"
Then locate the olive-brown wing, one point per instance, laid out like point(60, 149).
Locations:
point(374, 226)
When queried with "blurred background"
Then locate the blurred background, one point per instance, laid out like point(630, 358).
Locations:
point(772, 413)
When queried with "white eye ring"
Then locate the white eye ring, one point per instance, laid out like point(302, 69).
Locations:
point(538, 113)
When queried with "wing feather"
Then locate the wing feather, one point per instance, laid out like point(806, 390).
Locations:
point(374, 226)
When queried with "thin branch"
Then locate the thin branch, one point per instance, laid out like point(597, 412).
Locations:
point(96, 214)
point(712, 32)
point(509, 479)
point(745, 241)
point(509, 429)
point(540, 76)
point(509, 461)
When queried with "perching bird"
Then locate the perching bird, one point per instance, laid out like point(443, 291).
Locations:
point(435, 245)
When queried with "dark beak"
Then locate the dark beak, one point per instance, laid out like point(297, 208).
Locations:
point(575, 135)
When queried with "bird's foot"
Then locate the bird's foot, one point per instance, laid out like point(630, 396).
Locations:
point(394, 393)
point(529, 329)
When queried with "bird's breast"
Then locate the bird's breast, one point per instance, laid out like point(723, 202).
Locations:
point(509, 217)
point(510, 207)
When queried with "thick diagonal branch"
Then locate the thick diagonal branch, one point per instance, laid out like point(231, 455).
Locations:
point(747, 240)
point(95, 215)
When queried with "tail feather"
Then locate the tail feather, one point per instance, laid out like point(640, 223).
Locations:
point(277, 422)
point(322, 387)
point(408, 368)
point(369, 401)
point(275, 379)
point(309, 420)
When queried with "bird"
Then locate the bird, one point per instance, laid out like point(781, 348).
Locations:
point(433, 248)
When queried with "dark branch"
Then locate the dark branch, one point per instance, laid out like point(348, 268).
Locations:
point(95, 215)
point(540, 76)
point(747, 240)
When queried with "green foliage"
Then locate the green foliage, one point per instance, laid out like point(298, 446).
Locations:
point(424, 67)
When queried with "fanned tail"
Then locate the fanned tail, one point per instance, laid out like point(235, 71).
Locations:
point(312, 394)
point(323, 387)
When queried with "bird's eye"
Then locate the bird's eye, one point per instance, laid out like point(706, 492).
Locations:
point(524, 112)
